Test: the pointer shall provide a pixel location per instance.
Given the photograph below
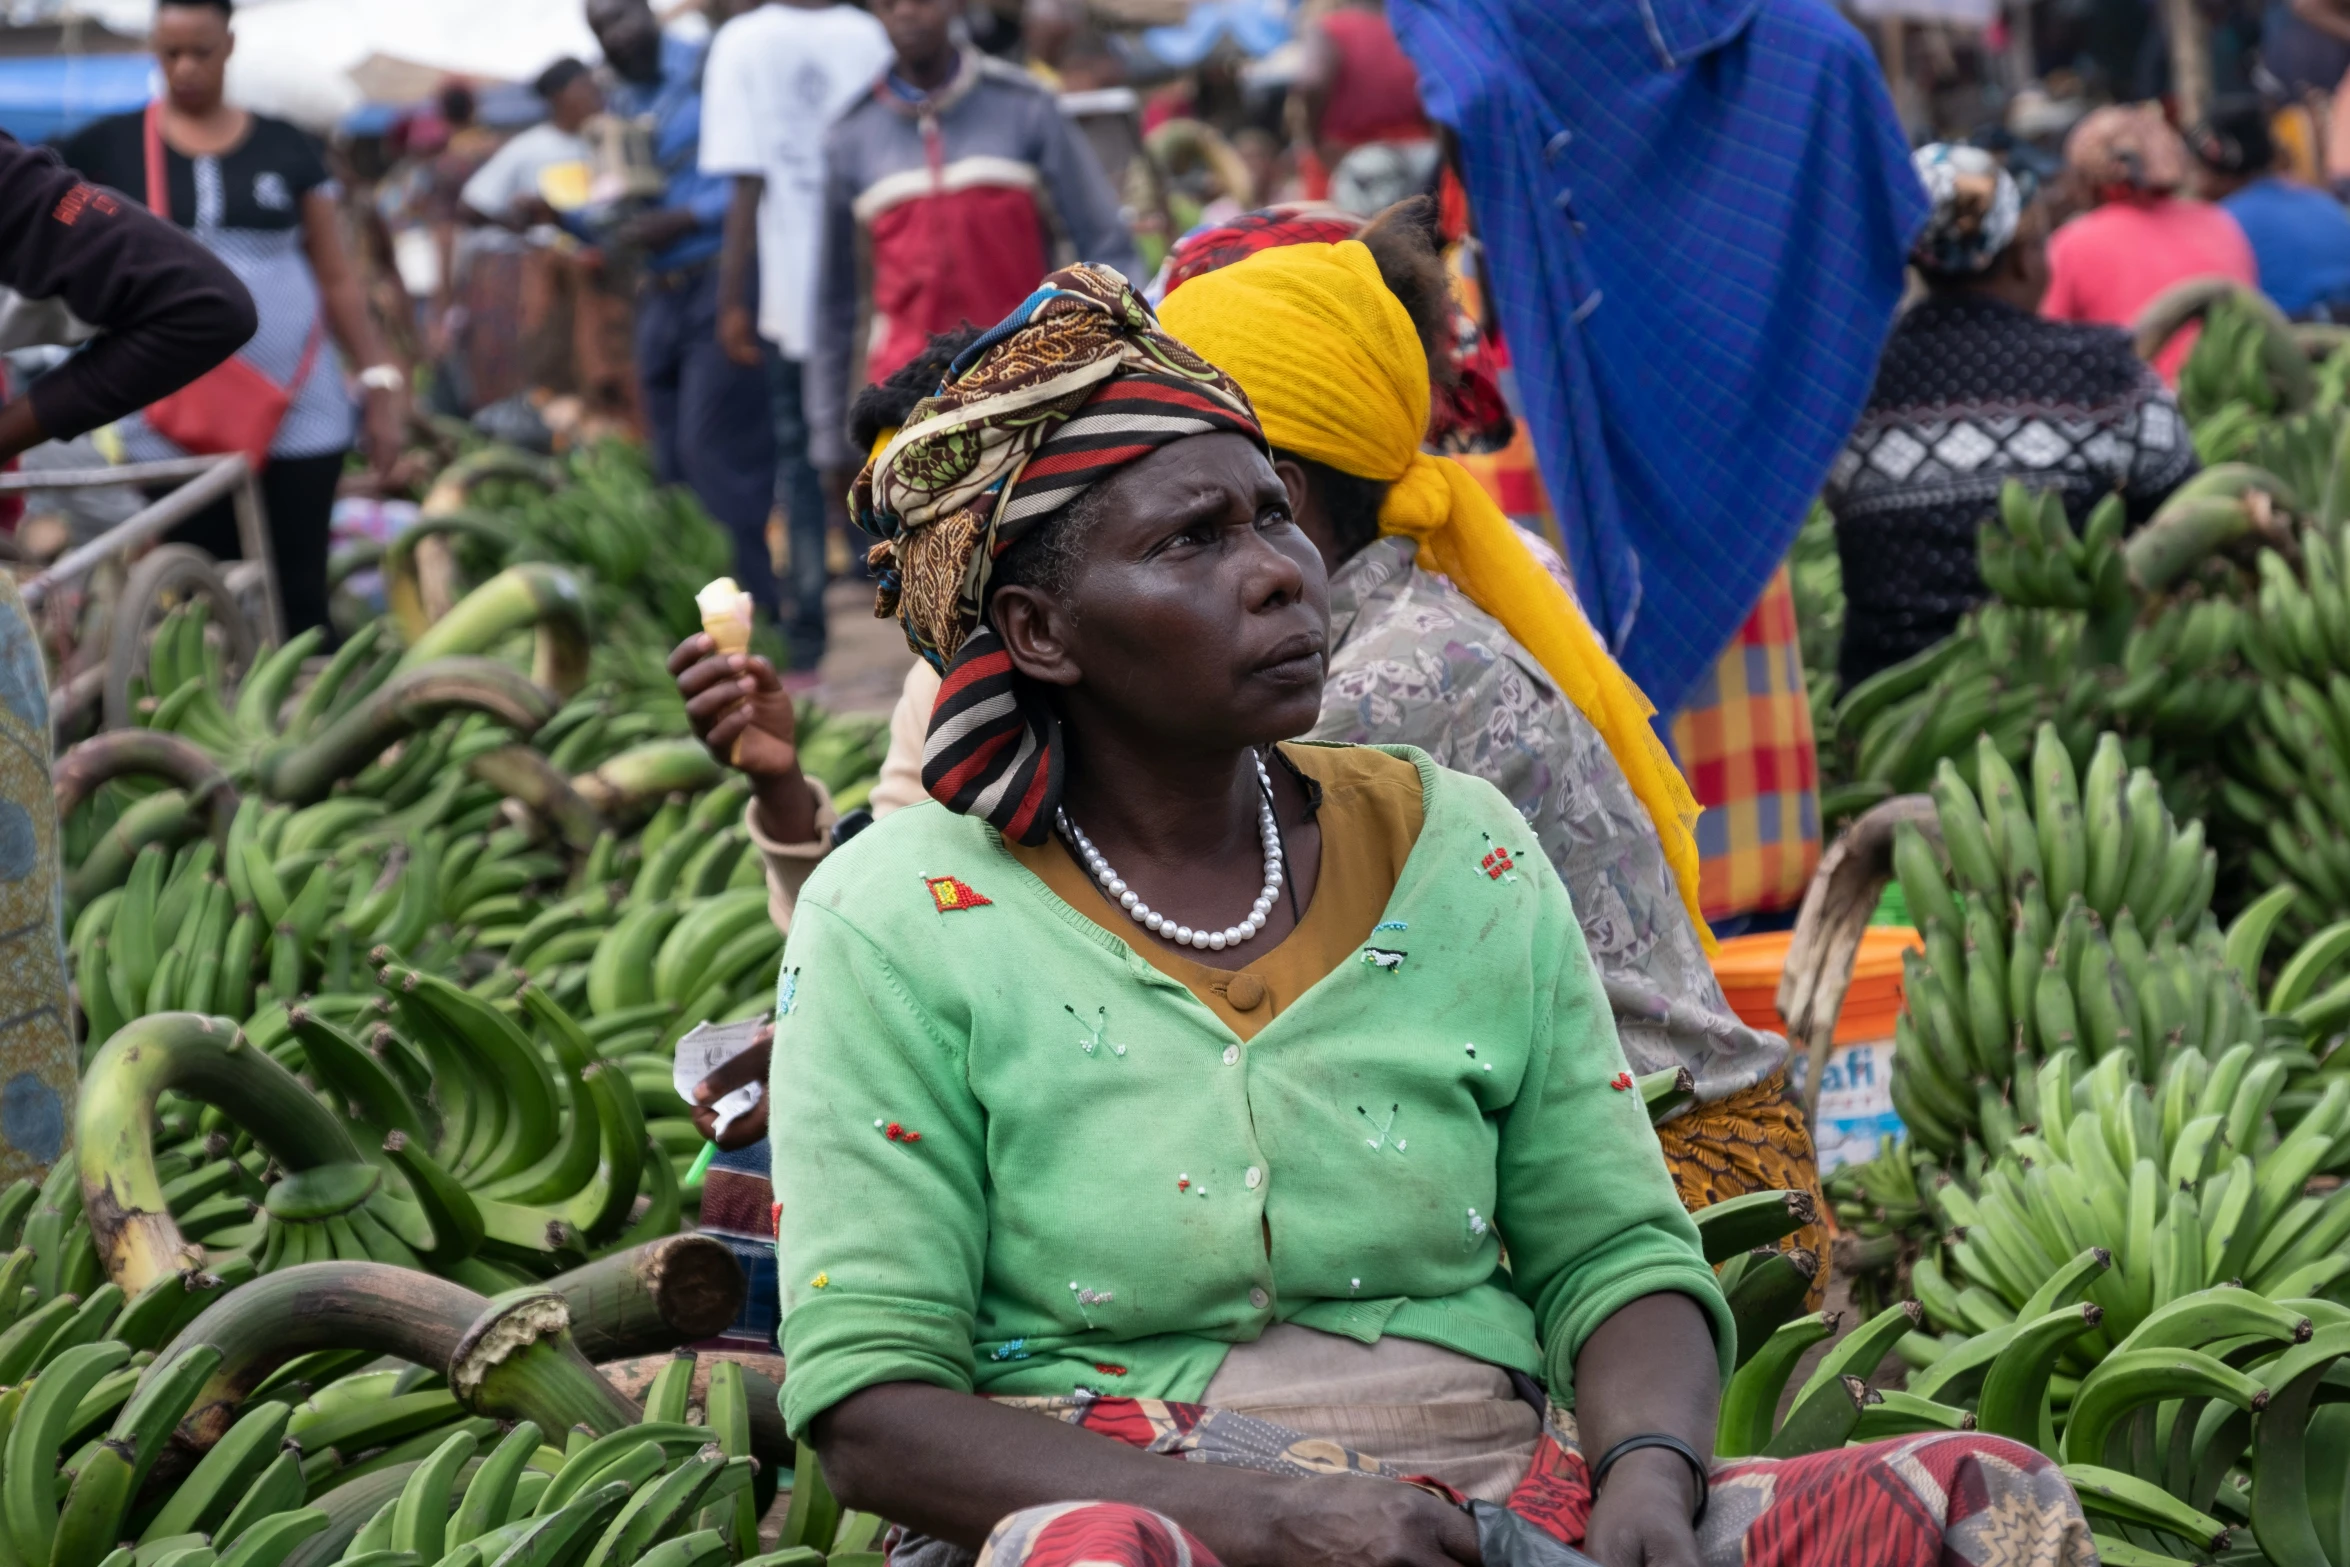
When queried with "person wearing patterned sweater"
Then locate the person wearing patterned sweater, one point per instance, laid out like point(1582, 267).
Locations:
point(1976, 389)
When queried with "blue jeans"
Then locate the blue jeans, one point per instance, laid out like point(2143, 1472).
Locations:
point(711, 427)
point(802, 495)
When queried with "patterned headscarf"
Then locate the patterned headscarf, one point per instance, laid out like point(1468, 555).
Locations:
point(2126, 149)
point(1977, 208)
point(1075, 384)
point(1214, 245)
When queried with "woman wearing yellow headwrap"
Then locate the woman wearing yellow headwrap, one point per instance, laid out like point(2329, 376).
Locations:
point(1481, 658)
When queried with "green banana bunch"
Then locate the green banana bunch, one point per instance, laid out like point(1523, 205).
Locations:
point(364, 699)
point(2245, 359)
point(1879, 1205)
point(2073, 915)
point(2137, 1287)
point(644, 938)
point(2179, 681)
point(454, 1138)
point(2033, 559)
point(112, 1456)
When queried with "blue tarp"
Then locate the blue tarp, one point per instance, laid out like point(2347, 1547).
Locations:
point(47, 97)
point(1256, 27)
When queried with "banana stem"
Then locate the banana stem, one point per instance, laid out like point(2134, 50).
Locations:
point(403, 572)
point(643, 774)
point(2183, 533)
point(509, 1359)
point(533, 594)
point(654, 1297)
point(129, 753)
point(412, 700)
point(525, 774)
point(205, 1058)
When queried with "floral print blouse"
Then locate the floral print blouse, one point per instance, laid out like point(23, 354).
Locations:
point(1414, 662)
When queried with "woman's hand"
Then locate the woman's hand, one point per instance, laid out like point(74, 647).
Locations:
point(749, 1067)
point(1326, 1521)
point(739, 709)
point(951, 1465)
point(385, 428)
point(1641, 1518)
point(1649, 1368)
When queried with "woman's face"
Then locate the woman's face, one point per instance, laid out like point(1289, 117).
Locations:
point(1198, 612)
point(192, 44)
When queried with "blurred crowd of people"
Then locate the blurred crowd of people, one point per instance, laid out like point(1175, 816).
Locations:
point(718, 234)
point(722, 229)
point(2017, 359)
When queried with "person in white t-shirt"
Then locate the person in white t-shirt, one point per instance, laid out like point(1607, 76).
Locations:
point(503, 195)
point(776, 78)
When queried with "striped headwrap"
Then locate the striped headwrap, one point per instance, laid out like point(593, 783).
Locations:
point(1075, 384)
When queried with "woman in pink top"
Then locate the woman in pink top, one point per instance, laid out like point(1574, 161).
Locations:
point(2139, 238)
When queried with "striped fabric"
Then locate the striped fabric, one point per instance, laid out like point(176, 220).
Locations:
point(994, 749)
point(1124, 422)
point(738, 1211)
point(1744, 741)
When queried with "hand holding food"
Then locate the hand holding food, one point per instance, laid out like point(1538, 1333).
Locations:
point(739, 709)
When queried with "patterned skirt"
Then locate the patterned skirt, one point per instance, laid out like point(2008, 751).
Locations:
point(1948, 1499)
point(1753, 1141)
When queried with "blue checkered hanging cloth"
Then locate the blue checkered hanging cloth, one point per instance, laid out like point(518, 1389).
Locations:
point(1695, 215)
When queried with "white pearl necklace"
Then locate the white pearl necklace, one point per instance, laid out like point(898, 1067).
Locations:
point(1114, 885)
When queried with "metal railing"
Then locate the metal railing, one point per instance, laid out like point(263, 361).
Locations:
point(202, 481)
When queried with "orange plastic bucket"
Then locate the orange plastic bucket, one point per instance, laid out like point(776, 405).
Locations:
point(1749, 969)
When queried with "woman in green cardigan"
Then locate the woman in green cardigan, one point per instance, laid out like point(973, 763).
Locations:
point(1175, 1088)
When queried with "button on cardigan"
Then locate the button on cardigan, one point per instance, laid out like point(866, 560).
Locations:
point(1011, 1158)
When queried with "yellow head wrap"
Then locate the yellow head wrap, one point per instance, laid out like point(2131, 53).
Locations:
point(1334, 366)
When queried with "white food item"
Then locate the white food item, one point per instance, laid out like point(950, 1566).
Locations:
point(726, 615)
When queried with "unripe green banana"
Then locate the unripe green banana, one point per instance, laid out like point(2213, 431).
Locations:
point(1921, 880)
point(2056, 814)
point(28, 1497)
point(2104, 820)
point(1966, 837)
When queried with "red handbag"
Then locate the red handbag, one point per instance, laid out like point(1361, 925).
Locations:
point(231, 407)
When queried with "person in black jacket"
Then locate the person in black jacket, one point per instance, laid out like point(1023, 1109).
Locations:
point(76, 259)
point(1976, 388)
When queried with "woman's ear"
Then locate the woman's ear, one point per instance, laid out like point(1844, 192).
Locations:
point(1306, 508)
point(1293, 479)
point(1035, 628)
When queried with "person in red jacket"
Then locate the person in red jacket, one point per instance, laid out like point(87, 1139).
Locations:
point(951, 177)
point(1361, 97)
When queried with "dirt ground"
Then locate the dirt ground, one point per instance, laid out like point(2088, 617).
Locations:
point(865, 660)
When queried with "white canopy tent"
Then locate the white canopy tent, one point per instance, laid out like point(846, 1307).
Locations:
point(294, 57)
